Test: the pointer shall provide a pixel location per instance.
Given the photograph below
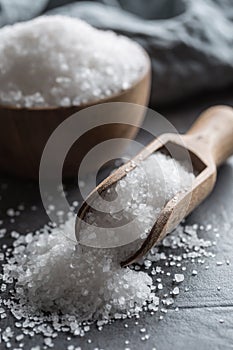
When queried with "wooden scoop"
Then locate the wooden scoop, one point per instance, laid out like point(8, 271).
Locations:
point(209, 143)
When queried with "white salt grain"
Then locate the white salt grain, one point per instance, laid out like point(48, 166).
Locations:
point(10, 212)
point(143, 330)
point(19, 337)
point(178, 278)
point(62, 61)
point(176, 291)
point(160, 286)
point(2, 232)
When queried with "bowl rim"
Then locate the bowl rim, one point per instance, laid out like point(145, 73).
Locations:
point(145, 72)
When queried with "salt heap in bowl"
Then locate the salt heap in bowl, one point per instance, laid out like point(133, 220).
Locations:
point(60, 61)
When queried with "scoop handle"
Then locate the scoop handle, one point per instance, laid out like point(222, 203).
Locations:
point(213, 130)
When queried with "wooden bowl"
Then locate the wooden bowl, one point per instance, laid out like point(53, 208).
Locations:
point(25, 131)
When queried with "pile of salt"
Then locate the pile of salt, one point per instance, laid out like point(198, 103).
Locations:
point(61, 61)
point(68, 286)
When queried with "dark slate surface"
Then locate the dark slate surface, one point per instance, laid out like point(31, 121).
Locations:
point(196, 325)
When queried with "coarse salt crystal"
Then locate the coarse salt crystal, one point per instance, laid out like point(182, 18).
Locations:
point(176, 291)
point(178, 278)
point(62, 61)
point(89, 290)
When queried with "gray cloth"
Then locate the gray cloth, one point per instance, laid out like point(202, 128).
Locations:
point(12, 11)
point(190, 42)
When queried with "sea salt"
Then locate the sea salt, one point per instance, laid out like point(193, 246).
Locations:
point(61, 61)
point(2, 232)
point(10, 212)
point(142, 194)
point(178, 277)
point(19, 337)
point(176, 291)
point(62, 286)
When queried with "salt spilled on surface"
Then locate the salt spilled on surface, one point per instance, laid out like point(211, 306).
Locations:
point(62, 61)
point(64, 287)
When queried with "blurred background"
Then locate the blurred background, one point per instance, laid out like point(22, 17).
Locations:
point(190, 42)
